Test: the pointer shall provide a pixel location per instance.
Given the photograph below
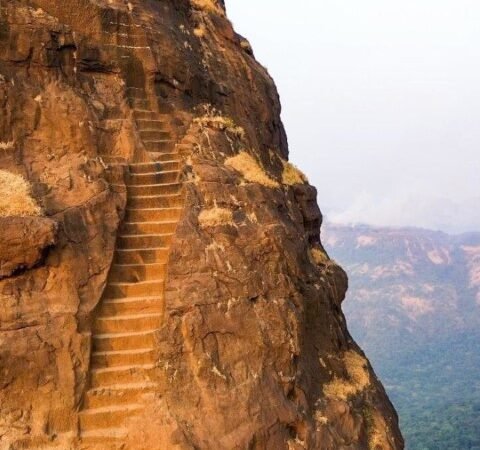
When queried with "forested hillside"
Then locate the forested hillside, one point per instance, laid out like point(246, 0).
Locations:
point(414, 306)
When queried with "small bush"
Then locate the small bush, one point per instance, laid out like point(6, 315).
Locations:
point(251, 170)
point(15, 196)
point(292, 175)
point(214, 217)
point(358, 378)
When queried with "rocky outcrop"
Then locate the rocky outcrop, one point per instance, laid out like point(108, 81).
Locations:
point(24, 242)
point(187, 302)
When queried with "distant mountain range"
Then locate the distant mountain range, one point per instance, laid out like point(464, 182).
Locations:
point(414, 306)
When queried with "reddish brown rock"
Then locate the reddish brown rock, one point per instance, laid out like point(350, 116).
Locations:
point(143, 328)
point(24, 242)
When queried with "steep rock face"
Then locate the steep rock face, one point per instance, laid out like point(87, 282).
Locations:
point(102, 104)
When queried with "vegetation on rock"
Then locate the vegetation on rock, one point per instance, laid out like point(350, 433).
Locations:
point(358, 379)
point(250, 169)
point(292, 175)
point(210, 6)
point(16, 197)
point(214, 217)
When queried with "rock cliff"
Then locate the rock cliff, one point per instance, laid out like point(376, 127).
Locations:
point(173, 293)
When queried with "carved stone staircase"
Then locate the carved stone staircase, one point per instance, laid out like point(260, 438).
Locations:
point(130, 313)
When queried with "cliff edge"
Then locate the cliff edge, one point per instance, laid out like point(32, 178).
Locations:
point(163, 284)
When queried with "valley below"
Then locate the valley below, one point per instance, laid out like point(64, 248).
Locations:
point(413, 305)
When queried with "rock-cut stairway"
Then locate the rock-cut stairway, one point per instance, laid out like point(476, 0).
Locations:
point(130, 312)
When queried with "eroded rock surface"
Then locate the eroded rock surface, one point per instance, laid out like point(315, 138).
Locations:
point(249, 348)
point(24, 242)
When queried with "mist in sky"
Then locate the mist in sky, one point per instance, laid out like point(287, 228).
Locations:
point(381, 102)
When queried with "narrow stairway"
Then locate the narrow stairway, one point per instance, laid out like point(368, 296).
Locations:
point(130, 312)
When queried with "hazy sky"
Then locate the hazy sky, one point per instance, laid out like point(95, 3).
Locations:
point(381, 101)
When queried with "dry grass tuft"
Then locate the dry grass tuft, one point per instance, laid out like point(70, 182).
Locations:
point(6, 145)
point(375, 439)
point(377, 430)
point(15, 196)
point(199, 31)
point(214, 217)
point(292, 175)
point(251, 170)
point(358, 378)
point(318, 256)
point(210, 6)
point(214, 119)
point(320, 418)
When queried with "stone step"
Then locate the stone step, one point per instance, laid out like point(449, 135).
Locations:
point(167, 157)
point(154, 189)
point(154, 167)
point(126, 323)
point(155, 135)
point(124, 341)
point(146, 241)
point(135, 373)
point(103, 439)
point(155, 201)
point(139, 102)
point(160, 107)
point(124, 358)
point(153, 215)
point(140, 256)
point(159, 146)
point(132, 273)
point(133, 305)
point(136, 90)
point(143, 114)
point(119, 394)
point(148, 227)
point(142, 179)
point(150, 288)
point(107, 417)
point(149, 124)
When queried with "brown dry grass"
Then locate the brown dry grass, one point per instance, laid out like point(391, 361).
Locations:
point(377, 430)
point(251, 170)
point(199, 31)
point(214, 119)
point(319, 257)
point(15, 196)
point(6, 145)
point(214, 217)
point(358, 378)
point(292, 175)
point(210, 6)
